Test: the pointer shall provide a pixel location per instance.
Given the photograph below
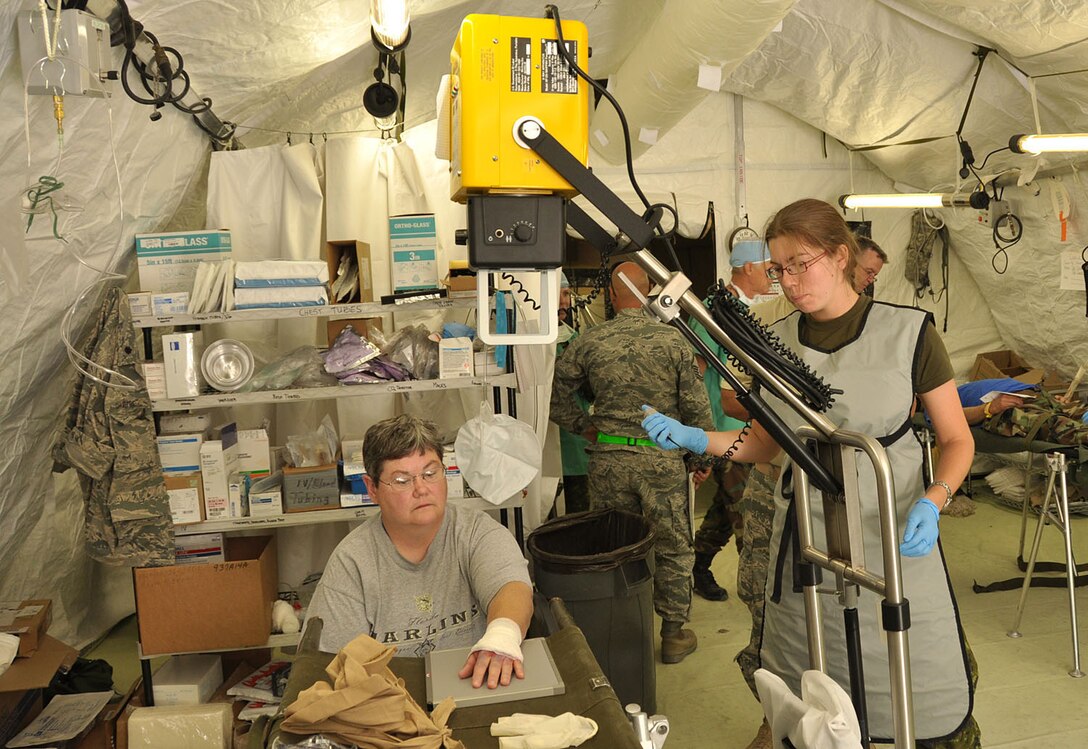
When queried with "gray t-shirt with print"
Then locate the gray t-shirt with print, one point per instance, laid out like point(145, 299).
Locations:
point(369, 588)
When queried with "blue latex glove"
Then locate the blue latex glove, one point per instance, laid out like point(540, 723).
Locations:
point(671, 434)
point(458, 330)
point(921, 529)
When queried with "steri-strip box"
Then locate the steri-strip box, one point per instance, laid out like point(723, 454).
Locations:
point(413, 248)
point(168, 261)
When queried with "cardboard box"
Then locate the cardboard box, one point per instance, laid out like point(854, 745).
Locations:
point(187, 679)
point(171, 303)
point(29, 620)
point(180, 453)
point(139, 304)
point(460, 285)
point(168, 262)
point(37, 670)
point(314, 488)
point(154, 373)
point(266, 503)
point(200, 607)
point(218, 463)
point(1006, 363)
point(360, 325)
point(364, 291)
point(413, 251)
point(22, 683)
point(254, 454)
point(186, 493)
point(185, 423)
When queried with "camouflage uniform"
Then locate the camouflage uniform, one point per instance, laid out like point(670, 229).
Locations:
point(757, 506)
point(626, 362)
point(109, 438)
point(1043, 418)
point(723, 518)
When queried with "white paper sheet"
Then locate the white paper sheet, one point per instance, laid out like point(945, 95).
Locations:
point(64, 718)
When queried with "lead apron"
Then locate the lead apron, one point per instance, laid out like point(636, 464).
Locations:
point(874, 373)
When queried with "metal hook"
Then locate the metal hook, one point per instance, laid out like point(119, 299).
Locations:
point(311, 139)
point(1084, 254)
point(288, 138)
point(325, 137)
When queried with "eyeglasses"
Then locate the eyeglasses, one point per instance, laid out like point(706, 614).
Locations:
point(405, 482)
point(870, 274)
point(794, 269)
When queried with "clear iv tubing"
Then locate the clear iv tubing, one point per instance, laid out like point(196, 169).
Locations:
point(77, 359)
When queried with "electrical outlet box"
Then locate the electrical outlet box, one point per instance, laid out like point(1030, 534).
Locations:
point(83, 60)
point(997, 209)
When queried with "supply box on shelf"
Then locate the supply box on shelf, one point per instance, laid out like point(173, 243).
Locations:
point(413, 249)
point(186, 493)
point(364, 289)
point(216, 606)
point(311, 488)
point(168, 262)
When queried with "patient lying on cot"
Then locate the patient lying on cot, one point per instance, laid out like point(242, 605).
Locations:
point(1017, 409)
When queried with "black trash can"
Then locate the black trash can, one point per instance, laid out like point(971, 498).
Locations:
point(598, 563)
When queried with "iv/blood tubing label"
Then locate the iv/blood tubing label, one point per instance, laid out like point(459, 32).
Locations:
point(521, 64)
point(556, 77)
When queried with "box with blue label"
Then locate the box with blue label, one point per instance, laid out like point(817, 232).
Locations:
point(413, 247)
point(168, 262)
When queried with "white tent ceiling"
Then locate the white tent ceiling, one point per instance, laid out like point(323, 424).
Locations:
point(862, 72)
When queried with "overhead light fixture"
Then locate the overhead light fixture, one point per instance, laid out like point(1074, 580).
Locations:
point(390, 24)
point(979, 200)
point(1068, 142)
point(391, 31)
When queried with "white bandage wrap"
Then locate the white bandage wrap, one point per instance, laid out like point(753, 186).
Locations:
point(503, 636)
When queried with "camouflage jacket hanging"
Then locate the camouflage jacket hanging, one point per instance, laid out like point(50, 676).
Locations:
point(108, 436)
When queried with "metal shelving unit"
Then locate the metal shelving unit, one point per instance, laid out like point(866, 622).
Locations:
point(362, 309)
point(314, 517)
point(226, 400)
point(508, 380)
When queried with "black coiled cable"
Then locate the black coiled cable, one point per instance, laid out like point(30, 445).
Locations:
point(517, 287)
point(765, 347)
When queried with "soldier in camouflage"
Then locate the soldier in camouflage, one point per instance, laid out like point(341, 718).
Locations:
point(626, 362)
point(109, 438)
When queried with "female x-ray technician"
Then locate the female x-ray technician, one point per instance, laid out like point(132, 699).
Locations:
point(879, 355)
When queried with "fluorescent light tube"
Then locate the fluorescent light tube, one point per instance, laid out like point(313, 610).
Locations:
point(1067, 142)
point(978, 200)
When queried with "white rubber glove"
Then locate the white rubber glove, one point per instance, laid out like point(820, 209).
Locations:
point(527, 731)
point(503, 636)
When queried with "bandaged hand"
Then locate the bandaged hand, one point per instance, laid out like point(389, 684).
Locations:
point(496, 656)
point(921, 532)
point(671, 434)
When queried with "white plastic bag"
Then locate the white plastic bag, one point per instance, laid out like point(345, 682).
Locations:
point(497, 454)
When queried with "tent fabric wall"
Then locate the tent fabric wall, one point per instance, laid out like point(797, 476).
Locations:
point(872, 71)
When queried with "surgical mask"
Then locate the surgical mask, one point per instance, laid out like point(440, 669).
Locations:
point(566, 332)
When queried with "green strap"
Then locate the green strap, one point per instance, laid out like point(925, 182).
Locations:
point(610, 439)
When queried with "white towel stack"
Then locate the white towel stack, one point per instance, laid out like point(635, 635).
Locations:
point(280, 283)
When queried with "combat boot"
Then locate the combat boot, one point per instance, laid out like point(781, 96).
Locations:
point(676, 642)
point(705, 584)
